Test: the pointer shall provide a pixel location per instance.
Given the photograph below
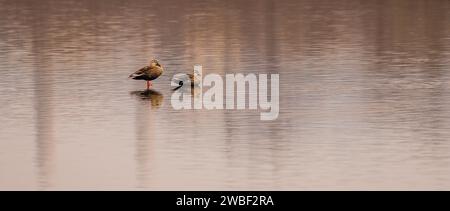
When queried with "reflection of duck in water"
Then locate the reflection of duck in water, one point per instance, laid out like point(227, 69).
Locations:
point(148, 73)
point(155, 97)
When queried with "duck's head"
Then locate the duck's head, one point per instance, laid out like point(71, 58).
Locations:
point(197, 73)
point(197, 70)
point(154, 63)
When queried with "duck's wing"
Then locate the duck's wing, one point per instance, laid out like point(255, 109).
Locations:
point(140, 72)
point(154, 72)
point(181, 79)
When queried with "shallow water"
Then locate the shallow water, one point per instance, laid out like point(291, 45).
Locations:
point(364, 95)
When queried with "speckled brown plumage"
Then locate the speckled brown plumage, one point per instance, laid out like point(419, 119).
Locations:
point(148, 73)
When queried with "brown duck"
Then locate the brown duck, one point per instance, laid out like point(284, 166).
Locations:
point(194, 78)
point(148, 73)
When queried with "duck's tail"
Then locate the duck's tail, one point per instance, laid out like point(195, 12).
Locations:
point(179, 82)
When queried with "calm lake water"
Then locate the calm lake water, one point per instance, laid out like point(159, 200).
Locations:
point(364, 95)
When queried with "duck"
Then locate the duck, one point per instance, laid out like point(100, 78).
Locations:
point(194, 79)
point(148, 73)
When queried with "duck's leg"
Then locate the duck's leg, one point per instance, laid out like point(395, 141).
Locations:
point(148, 85)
